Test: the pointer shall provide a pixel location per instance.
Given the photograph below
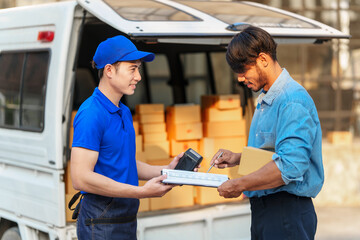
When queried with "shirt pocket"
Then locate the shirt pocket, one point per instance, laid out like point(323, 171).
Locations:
point(265, 140)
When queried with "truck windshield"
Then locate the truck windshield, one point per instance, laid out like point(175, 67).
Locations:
point(242, 12)
point(146, 10)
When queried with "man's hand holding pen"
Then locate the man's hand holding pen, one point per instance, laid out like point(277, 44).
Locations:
point(225, 158)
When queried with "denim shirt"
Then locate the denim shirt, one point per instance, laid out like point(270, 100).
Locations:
point(286, 122)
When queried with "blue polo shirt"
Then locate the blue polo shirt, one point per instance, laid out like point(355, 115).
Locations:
point(286, 122)
point(101, 126)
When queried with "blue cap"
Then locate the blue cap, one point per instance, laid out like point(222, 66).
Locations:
point(116, 49)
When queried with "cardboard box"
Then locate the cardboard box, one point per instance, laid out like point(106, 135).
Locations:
point(68, 182)
point(185, 131)
point(139, 143)
point(217, 115)
point(340, 137)
point(152, 128)
point(177, 147)
point(144, 202)
point(155, 137)
point(225, 129)
point(183, 114)
point(209, 146)
point(149, 108)
point(144, 205)
point(230, 101)
point(71, 136)
point(160, 162)
point(73, 114)
point(136, 127)
point(68, 212)
point(152, 118)
point(180, 196)
point(253, 159)
point(207, 195)
point(157, 150)
point(141, 156)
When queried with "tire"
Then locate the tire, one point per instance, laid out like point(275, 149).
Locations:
point(11, 234)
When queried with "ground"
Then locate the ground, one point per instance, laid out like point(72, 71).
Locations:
point(338, 223)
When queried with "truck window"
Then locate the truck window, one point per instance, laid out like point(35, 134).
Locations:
point(154, 86)
point(159, 76)
point(196, 74)
point(22, 89)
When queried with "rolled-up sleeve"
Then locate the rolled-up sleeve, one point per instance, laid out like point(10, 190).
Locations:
point(295, 137)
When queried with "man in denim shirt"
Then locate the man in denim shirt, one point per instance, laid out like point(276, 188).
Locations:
point(286, 122)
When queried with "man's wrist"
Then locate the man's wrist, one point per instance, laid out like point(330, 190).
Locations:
point(140, 192)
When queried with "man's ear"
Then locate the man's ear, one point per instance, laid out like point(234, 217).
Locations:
point(263, 59)
point(108, 70)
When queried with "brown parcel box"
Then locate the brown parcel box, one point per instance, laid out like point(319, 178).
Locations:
point(217, 115)
point(144, 202)
point(157, 150)
point(152, 128)
point(136, 127)
point(139, 143)
point(253, 159)
point(209, 146)
point(208, 195)
point(69, 212)
point(152, 118)
point(155, 137)
point(185, 131)
point(177, 147)
point(180, 196)
point(230, 101)
point(340, 137)
point(183, 114)
point(225, 129)
point(149, 108)
point(68, 182)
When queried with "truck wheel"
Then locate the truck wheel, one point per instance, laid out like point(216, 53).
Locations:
point(11, 234)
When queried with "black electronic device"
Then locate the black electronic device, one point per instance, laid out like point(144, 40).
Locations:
point(189, 161)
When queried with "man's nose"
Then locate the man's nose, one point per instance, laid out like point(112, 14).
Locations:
point(138, 76)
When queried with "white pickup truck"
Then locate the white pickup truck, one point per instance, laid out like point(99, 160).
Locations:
point(45, 74)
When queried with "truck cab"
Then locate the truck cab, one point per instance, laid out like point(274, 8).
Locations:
point(45, 54)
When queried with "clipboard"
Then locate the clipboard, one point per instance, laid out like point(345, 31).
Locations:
point(181, 177)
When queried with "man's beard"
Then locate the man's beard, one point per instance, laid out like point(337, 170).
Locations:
point(262, 79)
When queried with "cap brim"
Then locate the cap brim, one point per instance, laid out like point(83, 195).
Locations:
point(139, 55)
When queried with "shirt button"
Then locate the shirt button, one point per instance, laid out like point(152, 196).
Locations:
point(256, 134)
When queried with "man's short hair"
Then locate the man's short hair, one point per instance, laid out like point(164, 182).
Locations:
point(246, 46)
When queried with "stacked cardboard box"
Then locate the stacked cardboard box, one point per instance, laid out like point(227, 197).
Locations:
point(71, 133)
point(340, 137)
point(69, 190)
point(253, 159)
point(225, 128)
point(183, 123)
point(144, 202)
point(152, 127)
point(69, 193)
point(180, 196)
point(138, 137)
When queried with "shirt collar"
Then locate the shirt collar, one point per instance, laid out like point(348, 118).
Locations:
point(106, 102)
point(275, 89)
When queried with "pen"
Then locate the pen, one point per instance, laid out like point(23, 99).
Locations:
point(214, 162)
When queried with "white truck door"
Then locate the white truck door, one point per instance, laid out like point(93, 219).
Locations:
point(206, 22)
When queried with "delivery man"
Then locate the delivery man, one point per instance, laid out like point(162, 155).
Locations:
point(285, 121)
point(103, 164)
